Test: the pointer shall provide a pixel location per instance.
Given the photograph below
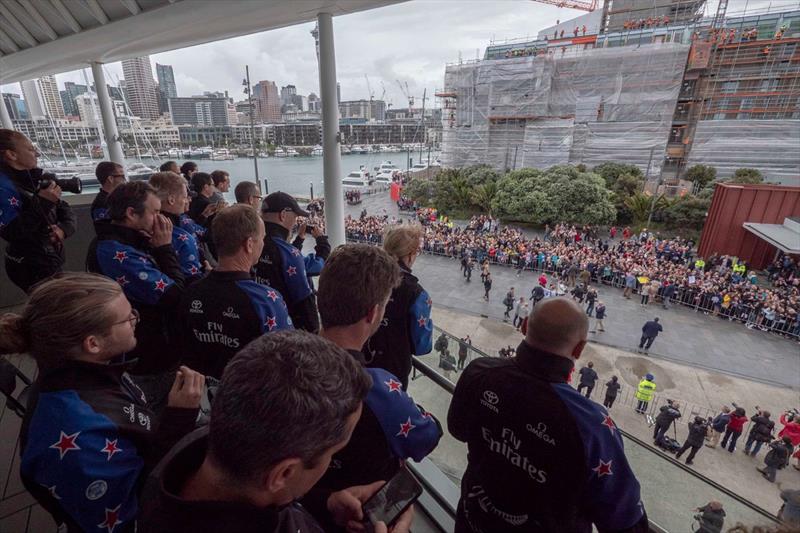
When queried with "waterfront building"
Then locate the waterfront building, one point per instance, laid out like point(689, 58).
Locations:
point(68, 95)
point(166, 86)
point(43, 98)
point(15, 106)
point(368, 109)
point(210, 109)
point(267, 102)
point(140, 87)
point(88, 109)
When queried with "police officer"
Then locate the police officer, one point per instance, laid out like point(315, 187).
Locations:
point(227, 309)
point(283, 267)
point(34, 220)
point(541, 456)
point(109, 175)
point(644, 393)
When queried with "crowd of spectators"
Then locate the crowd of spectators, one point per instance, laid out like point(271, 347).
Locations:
point(667, 269)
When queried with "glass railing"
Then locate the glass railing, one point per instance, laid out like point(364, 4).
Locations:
point(670, 490)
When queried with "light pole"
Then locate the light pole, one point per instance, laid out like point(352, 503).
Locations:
point(248, 90)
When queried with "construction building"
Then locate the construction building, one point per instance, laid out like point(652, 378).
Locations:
point(654, 84)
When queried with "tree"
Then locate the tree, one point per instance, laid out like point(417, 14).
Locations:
point(483, 195)
point(640, 205)
point(687, 212)
point(611, 172)
point(701, 175)
point(420, 190)
point(747, 176)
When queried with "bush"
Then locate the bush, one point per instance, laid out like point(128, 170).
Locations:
point(701, 175)
point(687, 212)
point(747, 176)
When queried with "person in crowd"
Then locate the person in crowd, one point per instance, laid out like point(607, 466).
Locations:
point(171, 191)
point(588, 378)
point(463, 351)
point(612, 389)
point(789, 512)
point(170, 166)
point(537, 294)
point(487, 286)
point(134, 248)
point(520, 311)
point(650, 331)
point(711, 518)
point(718, 426)
point(246, 192)
point(791, 429)
point(202, 210)
point(227, 309)
point(630, 285)
point(508, 302)
point(734, 429)
point(760, 431)
point(468, 269)
point(777, 458)
point(694, 440)
point(242, 475)
point(350, 313)
point(407, 328)
point(599, 316)
point(188, 170)
point(667, 414)
point(644, 393)
point(562, 470)
point(89, 435)
point(34, 220)
point(591, 298)
point(222, 184)
point(109, 175)
point(441, 344)
point(282, 264)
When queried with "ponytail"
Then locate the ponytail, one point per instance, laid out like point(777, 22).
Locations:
point(14, 337)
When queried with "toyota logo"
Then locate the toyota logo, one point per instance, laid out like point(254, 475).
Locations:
point(490, 397)
point(197, 304)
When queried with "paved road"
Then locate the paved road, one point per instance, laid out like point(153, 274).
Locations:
point(689, 337)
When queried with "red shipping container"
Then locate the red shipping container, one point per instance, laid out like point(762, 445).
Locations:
point(731, 206)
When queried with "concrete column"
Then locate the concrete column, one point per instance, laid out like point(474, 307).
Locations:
point(5, 118)
point(107, 113)
point(331, 156)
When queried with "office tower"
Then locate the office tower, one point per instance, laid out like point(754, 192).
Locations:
point(68, 95)
point(140, 87)
point(42, 97)
point(88, 108)
point(15, 106)
point(211, 109)
point(267, 101)
point(166, 86)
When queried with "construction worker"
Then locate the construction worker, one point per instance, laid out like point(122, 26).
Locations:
point(644, 393)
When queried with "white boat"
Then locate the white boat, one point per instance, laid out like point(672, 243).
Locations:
point(139, 172)
point(291, 152)
point(317, 150)
point(367, 149)
point(358, 178)
point(386, 177)
point(280, 152)
point(223, 154)
point(386, 165)
point(419, 167)
point(345, 150)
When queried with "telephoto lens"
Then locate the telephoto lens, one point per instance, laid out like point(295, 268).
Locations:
point(72, 185)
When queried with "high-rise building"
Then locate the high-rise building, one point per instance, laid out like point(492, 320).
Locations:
point(313, 103)
point(88, 108)
point(287, 93)
point(68, 95)
point(15, 106)
point(42, 97)
point(368, 109)
point(141, 87)
point(267, 101)
point(166, 86)
point(338, 92)
point(210, 109)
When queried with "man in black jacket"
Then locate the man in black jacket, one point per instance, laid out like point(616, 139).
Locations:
point(135, 249)
point(541, 456)
point(612, 388)
point(666, 416)
point(650, 331)
point(760, 432)
point(697, 434)
point(777, 458)
point(282, 264)
point(34, 220)
point(588, 378)
point(109, 175)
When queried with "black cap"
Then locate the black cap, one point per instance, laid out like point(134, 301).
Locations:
point(279, 201)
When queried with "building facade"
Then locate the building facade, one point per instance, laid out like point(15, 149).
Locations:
point(368, 109)
point(68, 95)
point(43, 98)
point(15, 106)
point(267, 102)
point(166, 86)
point(207, 110)
point(140, 87)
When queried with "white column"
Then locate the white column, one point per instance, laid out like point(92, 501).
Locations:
point(107, 113)
point(5, 118)
point(331, 156)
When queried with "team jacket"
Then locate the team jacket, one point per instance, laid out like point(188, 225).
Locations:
point(184, 243)
point(406, 330)
point(284, 268)
point(153, 283)
point(223, 312)
point(87, 440)
point(25, 220)
point(99, 209)
point(541, 456)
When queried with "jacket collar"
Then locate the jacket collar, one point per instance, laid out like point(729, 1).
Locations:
point(23, 178)
point(175, 219)
point(116, 232)
point(229, 275)
point(545, 365)
point(359, 356)
point(276, 230)
point(79, 375)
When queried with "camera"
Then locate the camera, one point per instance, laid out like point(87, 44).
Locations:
point(72, 185)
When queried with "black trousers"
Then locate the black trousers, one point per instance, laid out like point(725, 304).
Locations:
point(609, 401)
point(685, 447)
point(588, 388)
point(646, 342)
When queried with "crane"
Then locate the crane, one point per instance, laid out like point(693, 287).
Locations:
point(369, 89)
point(583, 5)
point(405, 92)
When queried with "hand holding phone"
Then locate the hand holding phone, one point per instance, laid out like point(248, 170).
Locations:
point(390, 504)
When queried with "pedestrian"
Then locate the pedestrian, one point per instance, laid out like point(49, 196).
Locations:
point(718, 425)
point(463, 351)
point(588, 378)
point(599, 316)
point(697, 433)
point(734, 429)
point(487, 286)
point(777, 458)
point(485, 270)
point(650, 331)
point(711, 518)
point(464, 261)
point(760, 432)
point(520, 312)
point(630, 285)
point(667, 415)
point(591, 298)
point(508, 302)
point(447, 362)
point(612, 388)
point(644, 290)
point(578, 292)
point(441, 344)
point(543, 280)
point(789, 512)
point(644, 393)
point(468, 269)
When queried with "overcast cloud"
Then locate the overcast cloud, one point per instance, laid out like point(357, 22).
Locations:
point(410, 42)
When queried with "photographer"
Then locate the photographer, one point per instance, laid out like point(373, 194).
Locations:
point(666, 416)
point(760, 432)
point(89, 435)
point(34, 220)
point(711, 518)
point(697, 434)
point(791, 429)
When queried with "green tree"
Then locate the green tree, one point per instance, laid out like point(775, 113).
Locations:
point(420, 190)
point(483, 195)
point(611, 172)
point(687, 212)
point(640, 204)
point(701, 175)
point(747, 175)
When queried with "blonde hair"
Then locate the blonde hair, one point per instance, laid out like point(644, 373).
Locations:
point(402, 240)
point(60, 313)
point(167, 183)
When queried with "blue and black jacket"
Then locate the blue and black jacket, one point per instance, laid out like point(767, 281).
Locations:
point(406, 329)
point(223, 312)
point(153, 282)
point(184, 242)
point(283, 267)
point(99, 209)
point(541, 456)
point(88, 441)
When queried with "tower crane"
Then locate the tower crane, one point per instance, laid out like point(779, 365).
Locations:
point(404, 90)
point(583, 5)
point(369, 89)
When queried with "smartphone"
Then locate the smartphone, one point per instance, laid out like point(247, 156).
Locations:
point(392, 499)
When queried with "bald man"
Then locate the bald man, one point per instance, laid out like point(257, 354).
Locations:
point(541, 456)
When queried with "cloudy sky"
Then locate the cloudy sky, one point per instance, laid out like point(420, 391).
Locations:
point(410, 42)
